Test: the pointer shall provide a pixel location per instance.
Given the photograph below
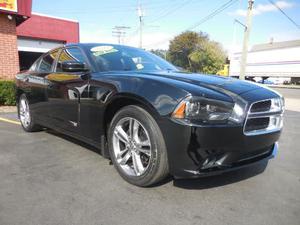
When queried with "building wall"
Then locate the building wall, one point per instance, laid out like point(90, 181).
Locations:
point(282, 62)
point(49, 28)
point(9, 59)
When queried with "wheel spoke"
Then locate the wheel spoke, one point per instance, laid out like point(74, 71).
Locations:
point(145, 151)
point(135, 130)
point(23, 104)
point(130, 128)
point(121, 155)
point(125, 159)
point(144, 143)
point(121, 134)
point(135, 157)
point(24, 113)
point(123, 151)
point(137, 164)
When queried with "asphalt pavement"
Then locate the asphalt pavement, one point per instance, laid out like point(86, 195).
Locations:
point(47, 178)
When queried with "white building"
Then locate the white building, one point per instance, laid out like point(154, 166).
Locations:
point(274, 59)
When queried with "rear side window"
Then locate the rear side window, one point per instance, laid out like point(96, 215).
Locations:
point(47, 62)
point(35, 65)
point(70, 54)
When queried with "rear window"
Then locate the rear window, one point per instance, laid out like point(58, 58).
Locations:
point(35, 65)
point(47, 62)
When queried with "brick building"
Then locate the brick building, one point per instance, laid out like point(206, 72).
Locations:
point(24, 35)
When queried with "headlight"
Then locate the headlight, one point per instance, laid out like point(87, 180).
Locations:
point(208, 111)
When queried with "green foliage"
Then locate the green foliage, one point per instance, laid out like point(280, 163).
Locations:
point(196, 53)
point(7, 92)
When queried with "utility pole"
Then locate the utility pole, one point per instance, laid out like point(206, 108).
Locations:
point(246, 39)
point(140, 14)
point(119, 32)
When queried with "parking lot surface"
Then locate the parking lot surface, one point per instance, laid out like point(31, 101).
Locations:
point(48, 178)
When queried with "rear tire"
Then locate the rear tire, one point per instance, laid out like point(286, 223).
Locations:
point(27, 121)
point(137, 148)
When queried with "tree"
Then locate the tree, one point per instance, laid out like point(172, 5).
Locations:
point(196, 53)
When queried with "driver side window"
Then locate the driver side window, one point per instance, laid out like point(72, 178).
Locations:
point(69, 54)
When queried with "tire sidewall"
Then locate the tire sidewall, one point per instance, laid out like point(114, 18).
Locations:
point(31, 125)
point(148, 123)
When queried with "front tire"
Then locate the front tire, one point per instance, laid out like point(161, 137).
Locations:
point(25, 115)
point(137, 147)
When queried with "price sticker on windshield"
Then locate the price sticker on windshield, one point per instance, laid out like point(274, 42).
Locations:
point(102, 50)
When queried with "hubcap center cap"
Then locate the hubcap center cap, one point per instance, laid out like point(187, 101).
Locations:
point(132, 145)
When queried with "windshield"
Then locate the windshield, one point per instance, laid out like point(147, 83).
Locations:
point(121, 58)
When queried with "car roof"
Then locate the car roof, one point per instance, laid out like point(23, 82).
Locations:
point(95, 44)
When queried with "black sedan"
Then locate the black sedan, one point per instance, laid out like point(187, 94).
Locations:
point(145, 115)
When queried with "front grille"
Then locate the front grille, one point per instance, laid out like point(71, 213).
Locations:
point(262, 106)
point(264, 117)
point(257, 124)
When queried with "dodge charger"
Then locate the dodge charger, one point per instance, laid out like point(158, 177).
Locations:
point(148, 117)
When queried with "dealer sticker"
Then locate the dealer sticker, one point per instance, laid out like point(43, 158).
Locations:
point(102, 50)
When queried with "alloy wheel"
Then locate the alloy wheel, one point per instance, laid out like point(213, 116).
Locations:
point(132, 146)
point(24, 113)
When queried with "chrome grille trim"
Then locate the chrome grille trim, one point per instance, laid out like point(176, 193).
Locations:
point(258, 106)
point(273, 116)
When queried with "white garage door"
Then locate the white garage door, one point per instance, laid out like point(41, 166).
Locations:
point(36, 45)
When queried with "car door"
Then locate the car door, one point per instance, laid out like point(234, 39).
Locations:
point(38, 86)
point(65, 90)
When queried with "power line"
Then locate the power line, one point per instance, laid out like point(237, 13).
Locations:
point(163, 15)
point(213, 14)
point(289, 18)
point(208, 17)
point(170, 11)
point(119, 32)
point(160, 17)
point(112, 9)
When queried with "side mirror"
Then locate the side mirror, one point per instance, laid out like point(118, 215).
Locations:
point(74, 66)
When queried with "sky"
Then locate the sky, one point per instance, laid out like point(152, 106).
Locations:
point(164, 19)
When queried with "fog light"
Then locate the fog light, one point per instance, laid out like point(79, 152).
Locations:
point(275, 122)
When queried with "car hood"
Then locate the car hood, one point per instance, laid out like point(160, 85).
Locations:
point(219, 83)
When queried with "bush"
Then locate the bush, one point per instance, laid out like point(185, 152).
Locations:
point(7, 92)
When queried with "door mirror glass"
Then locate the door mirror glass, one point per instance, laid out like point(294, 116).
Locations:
point(73, 66)
point(71, 60)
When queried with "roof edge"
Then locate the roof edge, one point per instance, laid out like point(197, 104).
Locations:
point(54, 17)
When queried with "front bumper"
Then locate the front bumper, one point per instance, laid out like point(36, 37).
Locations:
point(206, 151)
point(238, 165)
